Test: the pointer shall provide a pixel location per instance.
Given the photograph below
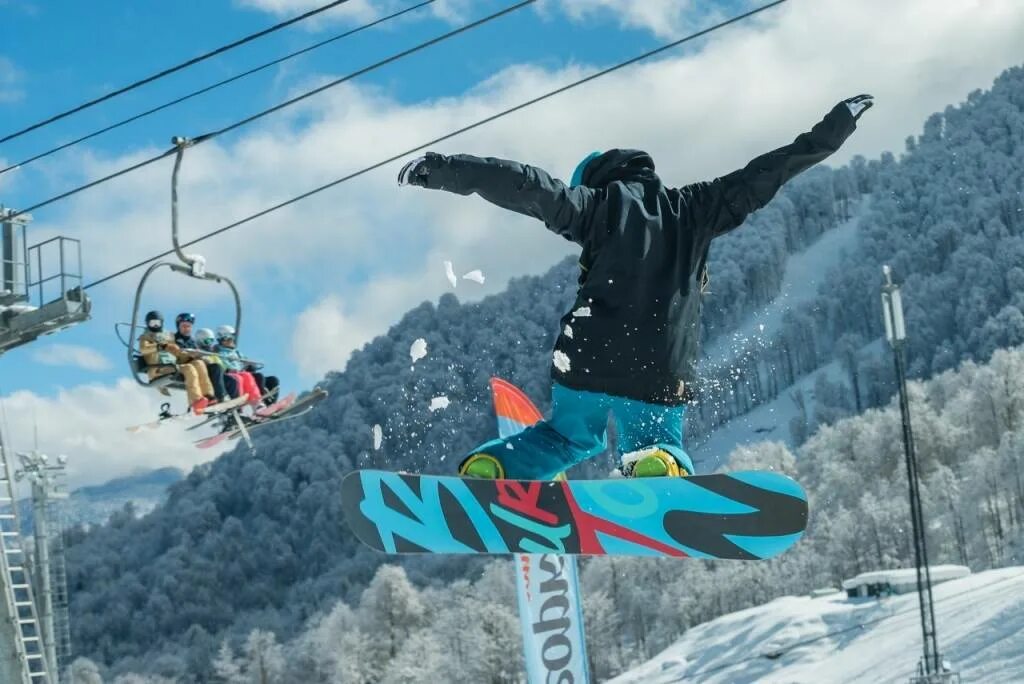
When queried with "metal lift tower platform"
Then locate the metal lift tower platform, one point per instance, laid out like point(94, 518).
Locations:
point(40, 286)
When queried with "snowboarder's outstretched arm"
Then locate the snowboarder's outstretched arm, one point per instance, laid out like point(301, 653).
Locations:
point(724, 203)
point(518, 187)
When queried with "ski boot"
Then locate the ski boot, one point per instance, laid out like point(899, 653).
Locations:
point(199, 405)
point(483, 467)
point(651, 462)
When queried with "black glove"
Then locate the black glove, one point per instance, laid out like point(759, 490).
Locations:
point(416, 171)
point(858, 105)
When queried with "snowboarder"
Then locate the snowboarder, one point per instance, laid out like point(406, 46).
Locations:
point(183, 323)
point(164, 357)
point(629, 344)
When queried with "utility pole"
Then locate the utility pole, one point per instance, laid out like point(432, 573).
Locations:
point(930, 669)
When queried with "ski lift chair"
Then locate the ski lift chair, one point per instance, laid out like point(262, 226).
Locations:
point(192, 266)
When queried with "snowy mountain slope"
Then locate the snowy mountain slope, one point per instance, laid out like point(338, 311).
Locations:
point(980, 622)
point(805, 271)
point(767, 422)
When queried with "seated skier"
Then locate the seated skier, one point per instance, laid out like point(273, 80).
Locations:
point(268, 385)
point(236, 364)
point(164, 357)
point(207, 342)
point(183, 338)
point(628, 346)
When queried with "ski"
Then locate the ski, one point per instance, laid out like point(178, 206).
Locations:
point(277, 407)
point(296, 409)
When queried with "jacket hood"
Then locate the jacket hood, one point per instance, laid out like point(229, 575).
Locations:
point(618, 165)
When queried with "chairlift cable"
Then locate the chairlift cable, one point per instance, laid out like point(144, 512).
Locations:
point(208, 136)
point(214, 86)
point(178, 67)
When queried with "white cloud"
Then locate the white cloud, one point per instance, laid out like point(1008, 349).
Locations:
point(324, 336)
point(10, 78)
point(88, 423)
point(71, 355)
point(356, 11)
point(663, 18)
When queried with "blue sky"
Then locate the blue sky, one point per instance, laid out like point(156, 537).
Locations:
point(328, 274)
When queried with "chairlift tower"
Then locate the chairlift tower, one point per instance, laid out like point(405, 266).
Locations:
point(40, 286)
point(41, 293)
point(49, 570)
point(22, 660)
point(931, 669)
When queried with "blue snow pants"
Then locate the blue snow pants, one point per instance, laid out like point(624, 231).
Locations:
point(577, 431)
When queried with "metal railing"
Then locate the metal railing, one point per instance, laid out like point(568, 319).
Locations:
point(66, 253)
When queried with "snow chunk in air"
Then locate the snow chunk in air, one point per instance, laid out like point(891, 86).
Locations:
point(568, 331)
point(562, 362)
point(449, 273)
point(582, 312)
point(378, 437)
point(476, 276)
point(438, 403)
point(418, 350)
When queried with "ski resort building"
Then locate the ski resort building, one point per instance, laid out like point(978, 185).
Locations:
point(904, 581)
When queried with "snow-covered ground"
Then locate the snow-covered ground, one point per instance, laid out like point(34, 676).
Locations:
point(980, 622)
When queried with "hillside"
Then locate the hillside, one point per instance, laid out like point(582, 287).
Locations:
point(796, 639)
point(95, 504)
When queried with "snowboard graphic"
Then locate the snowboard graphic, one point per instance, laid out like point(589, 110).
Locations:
point(742, 516)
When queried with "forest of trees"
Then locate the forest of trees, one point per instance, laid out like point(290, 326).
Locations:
point(467, 630)
point(249, 552)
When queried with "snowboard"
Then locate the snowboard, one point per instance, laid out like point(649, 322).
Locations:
point(741, 516)
point(294, 410)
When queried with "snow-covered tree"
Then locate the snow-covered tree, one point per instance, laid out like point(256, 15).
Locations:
point(85, 671)
point(389, 611)
point(226, 668)
point(262, 658)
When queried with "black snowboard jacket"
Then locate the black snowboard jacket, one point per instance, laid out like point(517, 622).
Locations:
point(633, 330)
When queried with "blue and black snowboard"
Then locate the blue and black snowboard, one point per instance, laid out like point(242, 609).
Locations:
point(742, 516)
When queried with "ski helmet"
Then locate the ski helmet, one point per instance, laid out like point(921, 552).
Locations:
point(155, 321)
point(184, 317)
point(205, 338)
point(225, 332)
point(577, 174)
